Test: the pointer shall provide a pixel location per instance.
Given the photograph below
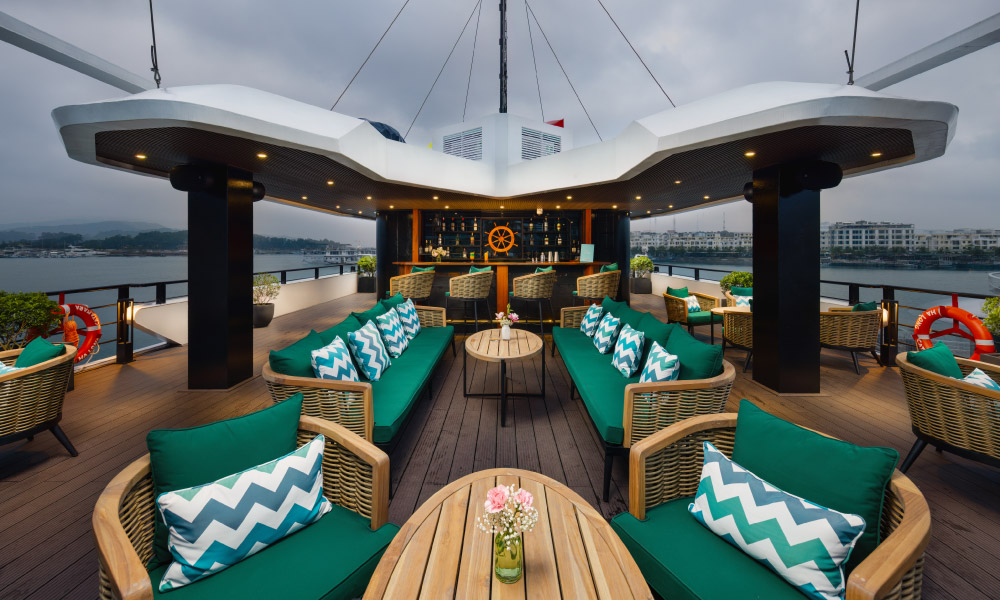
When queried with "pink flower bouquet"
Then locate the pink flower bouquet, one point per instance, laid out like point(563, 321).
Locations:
point(507, 318)
point(509, 513)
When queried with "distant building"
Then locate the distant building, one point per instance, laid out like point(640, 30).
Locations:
point(868, 234)
point(695, 240)
point(960, 240)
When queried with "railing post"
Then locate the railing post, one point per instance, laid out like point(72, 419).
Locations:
point(161, 293)
point(853, 294)
point(697, 274)
point(316, 273)
point(890, 330)
point(284, 277)
point(124, 342)
point(670, 270)
point(341, 269)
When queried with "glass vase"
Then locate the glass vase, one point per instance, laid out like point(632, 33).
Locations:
point(508, 559)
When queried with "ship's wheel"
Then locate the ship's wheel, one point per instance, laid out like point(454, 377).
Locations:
point(501, 239)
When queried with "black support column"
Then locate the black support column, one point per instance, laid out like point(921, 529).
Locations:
point(220, 272)
point(623, 245)
point(384, 255)
point(786, 282)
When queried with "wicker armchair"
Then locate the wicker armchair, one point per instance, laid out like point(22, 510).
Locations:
point(31, 399)
point(737, 331)
point(474, 288)
point(346, 403)
point(536, 287)
point(842, 329)
point(677, 312)
point(668, 464)
point(951, 414)
point(597, 286)
point(416, 286)
point(355, 476)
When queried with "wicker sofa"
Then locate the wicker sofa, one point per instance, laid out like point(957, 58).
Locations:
point(31, 399)
point(625, 411)
point(665, 470)
point(375, 410)
point(851, 331)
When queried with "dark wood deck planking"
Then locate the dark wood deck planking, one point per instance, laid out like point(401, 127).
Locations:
point(46, 497)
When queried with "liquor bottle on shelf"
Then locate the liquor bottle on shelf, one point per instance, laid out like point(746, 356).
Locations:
point(558, 225)
point(546, 239)
point(531, 225)
point(453, 224)
point(463, 253)
point(472, 240)
point(475, 224)
point(545, 223)
point(559, 240)
point(463, 223)
point(439, 241)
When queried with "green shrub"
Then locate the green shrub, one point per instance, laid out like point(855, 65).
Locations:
point(366, 264)
point(738, 279)
point(24, 315)
point(266, 288)
point(991, 308)
point(641, 265)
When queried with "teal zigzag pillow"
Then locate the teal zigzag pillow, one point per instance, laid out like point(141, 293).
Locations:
point(409, 318)
point(333, 361)
point(980, 378)
point(392, 333)
point(660, 366)
point(591, 320)
point(369, 352)
point(607, 332)
point(628, 349)
point(804, 543)
point(218, 524)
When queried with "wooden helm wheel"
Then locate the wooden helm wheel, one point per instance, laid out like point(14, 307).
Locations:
point(501, 239)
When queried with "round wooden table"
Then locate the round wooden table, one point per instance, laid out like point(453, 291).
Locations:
point(722, 310)
point(440, 553)
point(487, 345)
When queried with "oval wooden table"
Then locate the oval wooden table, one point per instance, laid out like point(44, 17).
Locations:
point(440, 553)
point(487, 345)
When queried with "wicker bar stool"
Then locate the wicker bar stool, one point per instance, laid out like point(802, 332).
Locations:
point(536, 287)
point(737, 331)
point(593, 288)
point(415, 286)
point(474, 288)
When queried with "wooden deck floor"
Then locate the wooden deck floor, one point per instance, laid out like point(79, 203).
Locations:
point(46, 497)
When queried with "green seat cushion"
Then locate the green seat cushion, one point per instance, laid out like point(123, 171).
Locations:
point(181, 458)
point(397, 392)
point(828, 472)
point(348, 325)
point(371, 314)
point(394, 301)
point(682, 560)
point(333, 558)
point(703, 317)
point(38, 351)
point(741, 291)
point(698, 359)
point(611, 267)
point(865, 306)
point(475, 269)
point(416, 269)
point(937, 359)
point(543, 269)
point(296, 359)
point(678, 292)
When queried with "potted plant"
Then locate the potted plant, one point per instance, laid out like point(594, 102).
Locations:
point(366, 277)
point(640, 282)
point(736, 279)
point(265, 289)
point(991, 310)
point(24, 316)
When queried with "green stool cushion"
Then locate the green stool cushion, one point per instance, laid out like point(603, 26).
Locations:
point(38, 351)
point(543, 269)
point(416, 269)
point(475, 269)
point(678, 292)
point(741, 291)
point(611, 267)
point(937, 359)
point(698, 360)
point(296, 359)
point(574, 292)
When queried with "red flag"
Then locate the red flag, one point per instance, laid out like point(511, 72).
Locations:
point(557, 123)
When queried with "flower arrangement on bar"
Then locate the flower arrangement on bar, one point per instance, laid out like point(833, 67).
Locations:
point(439, 253)
point(509, 514)
point(506, 319)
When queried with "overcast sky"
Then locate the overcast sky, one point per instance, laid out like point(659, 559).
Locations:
point(308, 50)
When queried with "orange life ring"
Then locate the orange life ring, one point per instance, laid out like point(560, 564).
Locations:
point(91, 328)
point(981, 336)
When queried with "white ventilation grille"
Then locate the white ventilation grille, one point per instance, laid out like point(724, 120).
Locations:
point(467, 144)
point(535, 144)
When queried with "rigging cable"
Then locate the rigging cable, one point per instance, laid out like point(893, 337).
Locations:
point(461, 33)
point(559, 62)
point(636, 52)
point(356, 73)
point(468, 84)
point(152, 49)
point(854, 45)
point(534, 61)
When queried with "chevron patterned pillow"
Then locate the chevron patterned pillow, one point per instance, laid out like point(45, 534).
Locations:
point(660, 366)
point(590, 320)
point(692, 304)
point(803, 542)
point(218, 524)
point(607, 331)
point(369, 352)
point(743, 300)
point(980, 378)
point(628, 349)
point(4, 369)
point(409, 318)
point(392, 333)
point(333, 361)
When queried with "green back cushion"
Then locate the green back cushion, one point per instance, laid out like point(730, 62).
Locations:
point(741, 291)
point(38, 351)
point(865, 306)
point(611, 267)
point(678, 292)
point(340, 329)
point(654, 330)
point(542, 269)
point(393, 301)
point(371, 314)
point(698, 359)
point(937, 359)
point(416, 269)
point(181, 458)
point(296, 360)
point(829, 472)
point(475, 269)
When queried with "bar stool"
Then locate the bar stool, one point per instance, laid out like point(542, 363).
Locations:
point(595, 287)
point(536, 287)
point(474, 288)
point(416, 286)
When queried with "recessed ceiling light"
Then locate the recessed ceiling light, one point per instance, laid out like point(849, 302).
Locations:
point(329, 182)
point(338, 206)
point(569, 197)
point(501, 207)
point(141, 156)
point(876, 154)
point(369, 197)
point(706, 197)
point(305, 197)
point(261, 155)
point(749, 153)
point(391, 206)
point(671, 206)
point(446, 206)
point(638, 197)
point(614, 206)
point(435, 197)
point(359, 212)
point(647, 212)
point(677, 181)
point(557, 206)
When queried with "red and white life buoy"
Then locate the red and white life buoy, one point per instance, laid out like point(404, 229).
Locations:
point(981, 336)
point(91, 328)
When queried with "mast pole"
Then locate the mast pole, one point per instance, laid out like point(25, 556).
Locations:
point(503, 56)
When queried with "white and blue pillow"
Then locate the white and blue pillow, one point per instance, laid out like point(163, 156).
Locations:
point(660, 366)
point(215, 525)
point(976, 377)
point(409, 318)
point(333, 361)
point(368, 351)
point(607, 332)
point(743, 300)
point(692, 304)
point(804, 543)
point(591, 320)
point(628, 350)
point(392, 333)
point(4, 369)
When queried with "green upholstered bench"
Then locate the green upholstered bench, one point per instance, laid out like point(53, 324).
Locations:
point(625, 411)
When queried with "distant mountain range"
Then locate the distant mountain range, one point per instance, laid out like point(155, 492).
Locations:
point(90, 231)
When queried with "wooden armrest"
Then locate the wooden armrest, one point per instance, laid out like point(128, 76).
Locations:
point(993, 370)
point(127, 573)
point(714, 299)
point(968, 388)
point(68, 356)
point(269, 375)
point(328, 398)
